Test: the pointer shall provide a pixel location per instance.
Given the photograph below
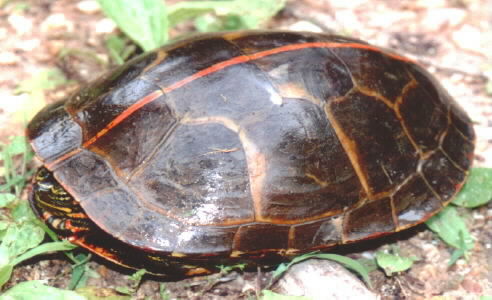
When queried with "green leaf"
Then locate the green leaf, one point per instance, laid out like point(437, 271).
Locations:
point(119, 49)
point(21, 237)
point(369, 264)
point(7, 263)
point(16, 181)
point(136, 278)
point(227, 15)
point(5, 273)
point(224, 269)
point(392, 263)
point(6, 199)
point(210, 23)
point(45, 248)
point(457, 253)
point(115, 45)
point(183, 11)
point(3, 225)
point(5, 266)
point(36, 290)
point(269, 295)
point(255, 12)
point(477, 189)
point(22, 212)
point(163, 292)
point(18, 145)
point(80, 272)
point(144, 21)
point(14, 174)
point(451, 228)
point(349, 263)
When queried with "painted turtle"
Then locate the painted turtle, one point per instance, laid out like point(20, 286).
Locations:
point(247, 147)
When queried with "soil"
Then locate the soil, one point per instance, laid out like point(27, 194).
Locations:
point(451, 38)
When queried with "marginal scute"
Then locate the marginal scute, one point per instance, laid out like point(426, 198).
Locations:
point(372, 219)
point(198, 240)
point(325, 232)
point(414, 201)
point(458, 155)
point(463, 126)
point(53, 133)
point(256, 237)
point(433, 170)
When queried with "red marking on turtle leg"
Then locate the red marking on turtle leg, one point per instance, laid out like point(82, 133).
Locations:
point(74, 228)
point(81, 241)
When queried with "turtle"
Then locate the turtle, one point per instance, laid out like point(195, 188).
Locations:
point(247, 147)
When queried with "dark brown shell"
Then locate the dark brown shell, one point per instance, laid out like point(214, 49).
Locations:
point(258, 141)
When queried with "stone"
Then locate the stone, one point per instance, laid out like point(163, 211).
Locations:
point(319, 279)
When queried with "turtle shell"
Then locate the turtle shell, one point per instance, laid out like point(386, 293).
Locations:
point(248, 145)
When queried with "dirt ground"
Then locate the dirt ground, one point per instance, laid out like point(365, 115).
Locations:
point(452, 38)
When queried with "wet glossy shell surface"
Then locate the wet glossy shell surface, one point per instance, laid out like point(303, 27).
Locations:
point(257, 141)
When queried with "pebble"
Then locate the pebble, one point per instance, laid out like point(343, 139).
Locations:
point(105, 26)
point(3, 33)
point(56, 21)
point(348, 19)
point(319, 279)
point(27, 45)
point(12, 103)
point(8, 58)
point(431, 252)
point(471, 286)
point(468, 37)
point(21, 24)
point(88, 7)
